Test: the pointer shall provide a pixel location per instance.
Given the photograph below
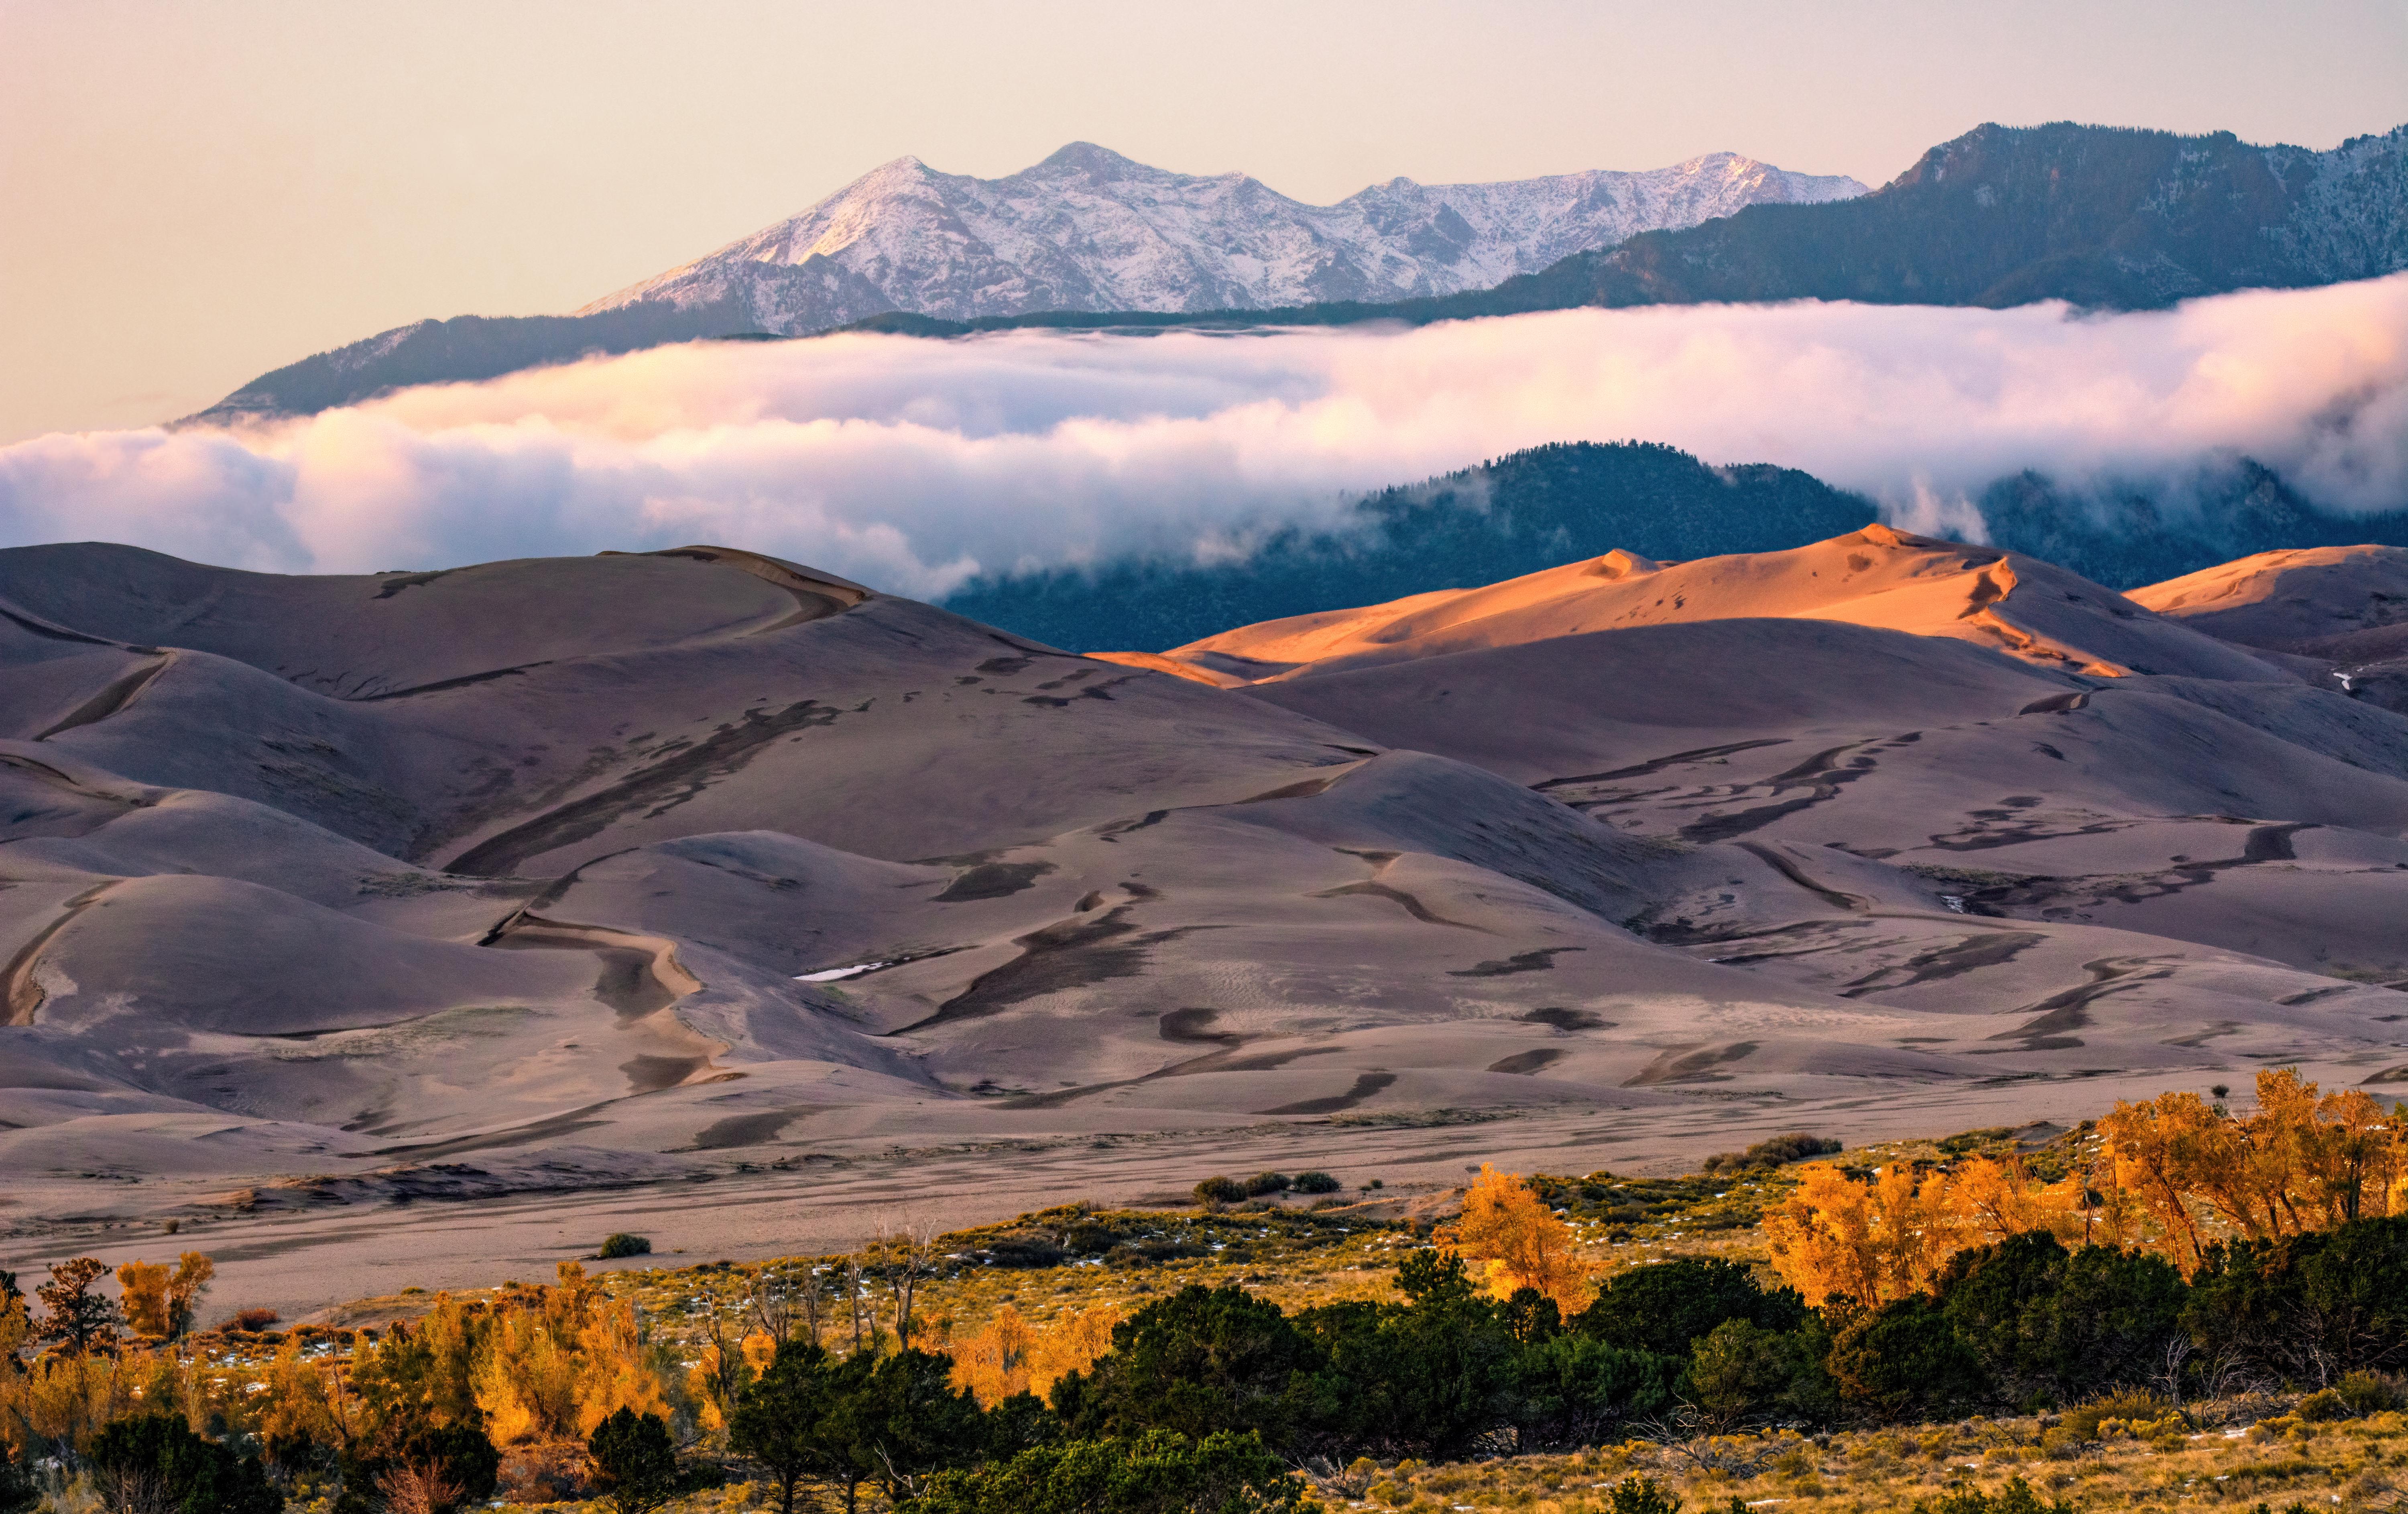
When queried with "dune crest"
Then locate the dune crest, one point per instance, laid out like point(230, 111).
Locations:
point(2280, 599)
point(1879, 577)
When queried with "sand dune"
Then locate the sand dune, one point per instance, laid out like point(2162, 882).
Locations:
point(2279, 598)
point(2336, 613)
point(629, 869)
point(1878, 577)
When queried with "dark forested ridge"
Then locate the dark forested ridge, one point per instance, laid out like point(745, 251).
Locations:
point(465, 349)
point(2125, 537)
point(1514, 516)
point(2102, 217)
point(1556, 504)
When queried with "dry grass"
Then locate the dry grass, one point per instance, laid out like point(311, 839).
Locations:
point(2356, 1466)
point(2353, 1466)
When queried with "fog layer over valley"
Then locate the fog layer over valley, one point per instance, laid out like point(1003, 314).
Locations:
point(599, 869)
point(918, 464)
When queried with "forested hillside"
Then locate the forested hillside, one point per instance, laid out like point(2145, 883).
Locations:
point(1517, 514)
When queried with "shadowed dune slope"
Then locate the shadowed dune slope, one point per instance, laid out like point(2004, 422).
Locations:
point(2335, 613)
point(698, 856)
point(2280, 599)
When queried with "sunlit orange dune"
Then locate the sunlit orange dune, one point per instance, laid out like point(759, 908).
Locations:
point(1156, 662)
point(1877, 577)
point(2280, 599)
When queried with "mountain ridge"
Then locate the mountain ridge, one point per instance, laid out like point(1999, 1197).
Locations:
point(1084, 227)
point(2147, 220)
point(1543, 506)
point(2105, 217)
point(2099, 235)
point(1088, 228)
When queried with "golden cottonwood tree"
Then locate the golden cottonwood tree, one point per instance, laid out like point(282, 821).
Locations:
point(2176, 1173)
point(2303, 1162)
point(159, 1304)
point(563, 1363)
point(1012, 1356)
point(1871, 1242)
point(994, 1364)
point(305, 1401)
point(1523, 1244)
point(1985, 1202)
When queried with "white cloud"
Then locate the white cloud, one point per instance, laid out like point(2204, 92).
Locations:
point(911, 464)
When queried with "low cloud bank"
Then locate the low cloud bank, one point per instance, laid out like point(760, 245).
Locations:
point(913, 464)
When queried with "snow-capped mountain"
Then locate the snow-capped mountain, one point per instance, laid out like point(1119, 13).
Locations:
point(1088, 229)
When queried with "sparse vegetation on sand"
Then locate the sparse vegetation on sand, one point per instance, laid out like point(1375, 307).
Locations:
point(2178, 1307)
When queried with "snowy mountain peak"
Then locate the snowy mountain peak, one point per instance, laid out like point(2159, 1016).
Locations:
point(1086, 157)
point(1088, 229)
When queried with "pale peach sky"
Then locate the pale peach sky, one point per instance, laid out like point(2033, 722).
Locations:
point(192, 193)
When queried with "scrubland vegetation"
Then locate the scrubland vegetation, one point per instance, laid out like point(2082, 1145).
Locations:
point(2176, 1307)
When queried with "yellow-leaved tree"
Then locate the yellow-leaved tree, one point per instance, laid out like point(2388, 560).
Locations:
point(1012, 1356)
point(1519, 1239)
point(159, 1304)
point(305, 1401)
point(1873, 1242)
point(562, 1361)
point(2304, 1161)
point(1986, 1201)
point(995, 1363)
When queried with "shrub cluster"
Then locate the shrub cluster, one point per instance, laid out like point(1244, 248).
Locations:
point(1262, 1185)
point(2029, 1323)
point(1776, 1152)
point(1136, 1239)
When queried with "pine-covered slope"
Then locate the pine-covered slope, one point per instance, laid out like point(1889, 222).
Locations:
point(1514, 516)
point(1550, 505)
point(2099, 216)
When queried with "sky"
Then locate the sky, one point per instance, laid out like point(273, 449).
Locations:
point(191, 195)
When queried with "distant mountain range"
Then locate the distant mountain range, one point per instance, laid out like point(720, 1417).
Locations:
point(2104, 217)
point(1086, 230)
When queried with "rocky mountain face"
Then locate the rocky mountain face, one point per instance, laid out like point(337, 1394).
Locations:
point(1087, 229)
point(2102, 217)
